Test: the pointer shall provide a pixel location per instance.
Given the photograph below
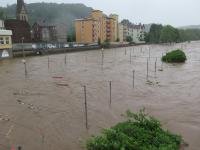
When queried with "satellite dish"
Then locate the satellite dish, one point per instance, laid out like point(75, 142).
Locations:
point(5, 54)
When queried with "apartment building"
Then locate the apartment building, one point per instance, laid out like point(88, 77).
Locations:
point(136, 31)
point(87, 30)
point(96, 27)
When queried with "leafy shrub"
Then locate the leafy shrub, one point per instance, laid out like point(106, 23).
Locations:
point(176, 56)
point(139, 132)
point(106, 44)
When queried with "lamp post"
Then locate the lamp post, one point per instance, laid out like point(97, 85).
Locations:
point(24, 60)
point(23, 47)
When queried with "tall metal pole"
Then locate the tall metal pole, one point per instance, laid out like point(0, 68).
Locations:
point(147, 69)
point(162, 62)
point(24, 57)
point(130, 56)
point(133, 78)
point(86, 115)
point(110, 83)
point(149, 53)
point(156, 65)
point(23, 47)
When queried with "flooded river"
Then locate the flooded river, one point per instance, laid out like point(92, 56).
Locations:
point(45, 109)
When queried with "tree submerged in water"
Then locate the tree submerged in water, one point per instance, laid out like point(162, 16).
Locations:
point(139, 132)
point(176, 56)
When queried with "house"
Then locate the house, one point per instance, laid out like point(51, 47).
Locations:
point(135, 31)
point(20, 26)
point(61, 32)
point(21, 29)
point(44, 32)
point(5, 43)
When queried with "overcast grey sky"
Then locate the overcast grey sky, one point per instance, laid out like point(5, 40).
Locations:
point(174, 12)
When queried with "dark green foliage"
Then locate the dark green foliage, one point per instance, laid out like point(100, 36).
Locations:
point(189, 34)
point(99, 41)
point(129, 39)
point(117, 40)
point(106, 44)
point(176, 56)
point(2, 16)
point(154, 34)
point(140, 132)
point(125, 22)
point(169, 34)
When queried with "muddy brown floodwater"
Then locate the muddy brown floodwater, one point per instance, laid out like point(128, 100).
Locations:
point(45, 109)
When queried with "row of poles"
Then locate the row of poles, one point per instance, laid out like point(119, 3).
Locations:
point(110, 82)
point(110, 98)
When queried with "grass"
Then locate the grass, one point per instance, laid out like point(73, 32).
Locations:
point(176, 56)
point(139, 132)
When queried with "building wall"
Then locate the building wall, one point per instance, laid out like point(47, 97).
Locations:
point(46, 33)
point(111, 28)
point(135, 31)
point(87, 31)
point(98, 26)
point(137, 34)
point(61, 32)
point(2, 24)
point(5, 44)
point(99, 17)
point(20, 29)
point(121, 32)
point(116, 30)
point(125, 32)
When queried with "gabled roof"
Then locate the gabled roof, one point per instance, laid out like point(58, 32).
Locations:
point(20, 4)
point(44, 23)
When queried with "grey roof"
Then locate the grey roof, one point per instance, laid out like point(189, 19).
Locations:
point(44, 23)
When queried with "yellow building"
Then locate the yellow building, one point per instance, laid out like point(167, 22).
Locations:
point(96, 27)
point(5, 43)
point(116, 28)
point(87, 30)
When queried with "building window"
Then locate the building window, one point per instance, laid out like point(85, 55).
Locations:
point(1, 40)
point(7, 40)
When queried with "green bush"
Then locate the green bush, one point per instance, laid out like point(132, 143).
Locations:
point(139, 132)
point(176, 56)
point(106, 44)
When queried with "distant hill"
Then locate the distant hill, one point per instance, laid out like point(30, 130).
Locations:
point(51, 12)
point(190, 27)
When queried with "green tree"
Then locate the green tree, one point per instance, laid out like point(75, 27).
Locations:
point(129, 39)
point(99, 41)
point(189, 34)
point(2, 15)
point(106, 44)
point(169, 34)
point(146, 37)
point(154, 34)
point(125, 22)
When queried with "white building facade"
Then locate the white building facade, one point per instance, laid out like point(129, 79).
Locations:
point(135, 31)
point(2, 25)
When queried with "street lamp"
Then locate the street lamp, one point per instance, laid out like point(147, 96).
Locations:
point(24, 60)
point(23, 47)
